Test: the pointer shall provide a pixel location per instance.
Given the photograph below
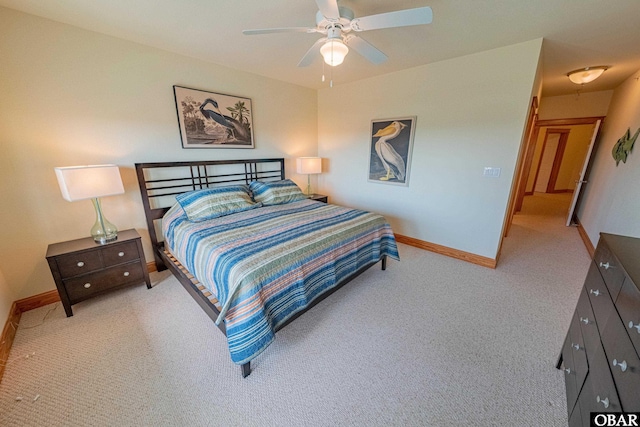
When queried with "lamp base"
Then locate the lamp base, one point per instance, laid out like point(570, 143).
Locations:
point(308, 189)
point(102, 240)
point(102, 231)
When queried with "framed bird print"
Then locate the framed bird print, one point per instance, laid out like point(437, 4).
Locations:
point(390, 150)
point(213, 120)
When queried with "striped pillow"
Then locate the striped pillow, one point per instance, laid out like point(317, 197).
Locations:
point(276, 192)
point(209, 203)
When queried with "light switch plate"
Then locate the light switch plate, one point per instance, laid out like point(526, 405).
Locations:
point(491, 172)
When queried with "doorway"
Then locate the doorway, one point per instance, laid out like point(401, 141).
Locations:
point(532, 149)
point(550, 161)
point(558, 152)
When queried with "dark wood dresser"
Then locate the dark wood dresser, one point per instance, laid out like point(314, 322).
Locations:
point(600, 355)
point(83, 269)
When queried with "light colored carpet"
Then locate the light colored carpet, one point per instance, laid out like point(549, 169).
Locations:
point(432, 341)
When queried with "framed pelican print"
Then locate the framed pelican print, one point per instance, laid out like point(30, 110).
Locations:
point(213, 120)
point(390, 150)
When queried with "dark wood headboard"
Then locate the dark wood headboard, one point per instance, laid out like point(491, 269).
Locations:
point(161, 182)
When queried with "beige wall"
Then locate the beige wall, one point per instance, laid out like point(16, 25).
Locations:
point(612, 196)
point(465, 122)
point(6, 299)
point(589, 104)
point(72, 97)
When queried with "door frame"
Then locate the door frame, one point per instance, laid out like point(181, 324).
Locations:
point(531, 133)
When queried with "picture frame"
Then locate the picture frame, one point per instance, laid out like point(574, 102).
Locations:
point(213, 120)
point(390, 148)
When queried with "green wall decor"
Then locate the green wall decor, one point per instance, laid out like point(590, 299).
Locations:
point(623, 147)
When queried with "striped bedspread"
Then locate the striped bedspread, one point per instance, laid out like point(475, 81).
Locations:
point(266, 264)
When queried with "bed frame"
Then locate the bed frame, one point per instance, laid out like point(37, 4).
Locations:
point(161, 182)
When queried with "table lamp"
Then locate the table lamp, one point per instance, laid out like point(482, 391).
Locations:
point(308, 166)
point(92, 182)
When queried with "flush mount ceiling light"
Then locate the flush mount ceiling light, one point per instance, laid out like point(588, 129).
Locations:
point(586, 75)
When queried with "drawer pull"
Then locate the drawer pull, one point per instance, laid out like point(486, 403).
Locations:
point(585, 320)
point(631, 326)
point(126, 273)
point(568, 371)
point(596, 292)
point(622, 365)
point(120, 254)
point(80, 264)
point(604, 265)
point(576, 347)
point(87, 285)
point(604, 401)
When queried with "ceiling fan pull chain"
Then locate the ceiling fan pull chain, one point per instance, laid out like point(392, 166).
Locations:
point(331, 77)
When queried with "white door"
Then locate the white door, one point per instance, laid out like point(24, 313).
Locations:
point(580, 181)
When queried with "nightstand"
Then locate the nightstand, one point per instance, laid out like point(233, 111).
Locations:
point(83, 269)
point(318, 197)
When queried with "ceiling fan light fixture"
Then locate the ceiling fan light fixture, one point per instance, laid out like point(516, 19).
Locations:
point(586, 75)
point(334, 52)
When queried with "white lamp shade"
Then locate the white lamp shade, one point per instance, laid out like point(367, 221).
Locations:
point(87, 182)
point(309, 165)
point(334, 51)
point(586, 75)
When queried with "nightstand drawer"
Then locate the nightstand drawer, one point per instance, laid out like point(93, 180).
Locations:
point(81, 268)
point(118, 254)
point(78, 263)
point(83, 287)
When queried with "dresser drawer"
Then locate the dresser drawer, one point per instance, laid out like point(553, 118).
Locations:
point(610, 269)
point(578, 351)
point(83, 287)
point(118, 254)
point(599, 297)
point(78, 263)
point(587, 323)
point(624, 364)
point(575, 420)
point(599, 392)
point(569, 374)
point(628, 304)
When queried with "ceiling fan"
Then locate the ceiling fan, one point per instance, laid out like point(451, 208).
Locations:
point(339, 24)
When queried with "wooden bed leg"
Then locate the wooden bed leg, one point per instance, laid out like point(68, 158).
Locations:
point(246, 369)
point(384, 262)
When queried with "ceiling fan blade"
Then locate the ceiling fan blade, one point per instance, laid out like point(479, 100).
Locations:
point(312, 53)
point(365, 49)
point(329, 8)
point(279, 30)
point(400, 18)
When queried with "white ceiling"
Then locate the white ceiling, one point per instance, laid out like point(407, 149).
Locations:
point(577, 33)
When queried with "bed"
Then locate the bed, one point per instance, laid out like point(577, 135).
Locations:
point(250, 248)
